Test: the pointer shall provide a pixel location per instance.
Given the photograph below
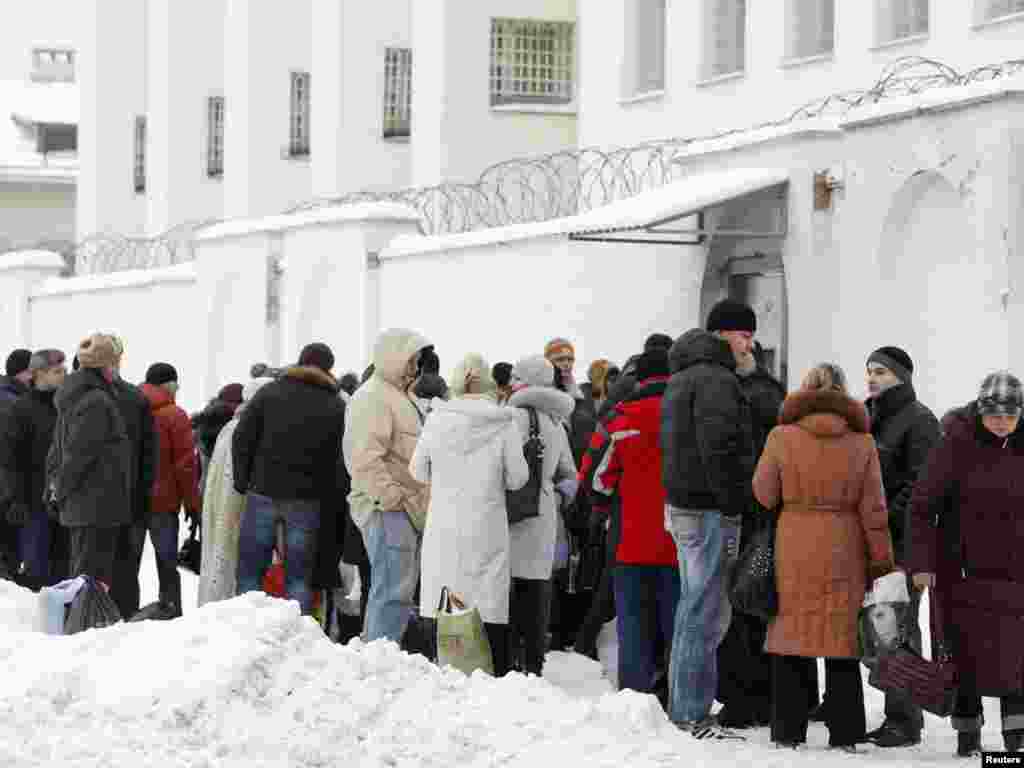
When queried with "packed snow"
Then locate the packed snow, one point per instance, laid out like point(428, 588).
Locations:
point(249, 682)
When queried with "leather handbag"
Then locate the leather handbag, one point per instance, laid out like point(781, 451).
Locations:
point(525, 503)
point(754, 591)
point(931, 684)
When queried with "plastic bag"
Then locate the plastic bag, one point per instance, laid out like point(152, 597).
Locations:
point(157, 611)
point(882, 622)
point(92, 608)
point(461, 639)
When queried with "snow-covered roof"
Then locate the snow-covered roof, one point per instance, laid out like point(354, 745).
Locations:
point(22, 106)
point(675, 200)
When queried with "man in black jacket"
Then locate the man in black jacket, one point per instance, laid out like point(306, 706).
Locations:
point(12, 386)
point(285, 453)
point(89, 464)
point(905, 432)
point(707, 468)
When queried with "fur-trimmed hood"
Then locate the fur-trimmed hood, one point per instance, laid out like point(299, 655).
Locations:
point(311, 375)
point(392, 352)
point(825, 412)
point(466, 424)
point(549, 400)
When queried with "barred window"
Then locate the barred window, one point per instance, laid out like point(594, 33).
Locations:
point(725, 37)
point(53, 65)
point(397, 92)
point(298, 144)
point(56, 137)
point(644, 61)
point(899, 19)
point(532, 62)
point(140, 154)
point(811, 28)
point(986, 10)
point(215, 136)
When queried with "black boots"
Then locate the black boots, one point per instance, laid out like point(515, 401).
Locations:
point(1013, 740)
point(968, 743)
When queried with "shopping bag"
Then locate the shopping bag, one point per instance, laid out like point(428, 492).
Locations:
point(461, 639)
point(92, 608)
point(190, 555)
point(881, 625)
point(753, 589)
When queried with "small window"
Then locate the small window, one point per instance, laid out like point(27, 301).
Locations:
point(140, 154)
point(644, 43)
point(811, 28)
point(53, 65)
point(725, 37)
point(987, 10)
point(532, 62)
point(900, 19)
point(215, 137)
point(56, 137)
point(397, 92)
point(298, 144)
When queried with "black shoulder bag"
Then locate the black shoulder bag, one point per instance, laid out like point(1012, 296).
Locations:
point(525, 503)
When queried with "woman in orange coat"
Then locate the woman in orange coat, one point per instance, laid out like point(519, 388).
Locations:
point(822, 466)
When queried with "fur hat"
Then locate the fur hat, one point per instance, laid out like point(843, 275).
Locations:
point(558, 346)
point(658, 341)
point(18, 361)
point(161, 373)
point(1001, 395)
point(97, 351)
point(317, 355)
point(896, 360)
point(732, 315)
point(45, 358)
point(654, 362)
point(535, 371)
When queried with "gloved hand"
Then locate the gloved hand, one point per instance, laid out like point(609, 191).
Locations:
point(567, 488)
point(17, 513)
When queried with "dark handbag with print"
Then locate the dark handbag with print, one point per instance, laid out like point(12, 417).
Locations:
point(525, 503)
point(931, 684)
point(754, 591)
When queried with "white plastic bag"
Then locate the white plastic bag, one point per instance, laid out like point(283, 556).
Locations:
point(883, 615)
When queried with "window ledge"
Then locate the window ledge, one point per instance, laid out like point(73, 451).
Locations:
point(395, 139)
point(739, 74)
point(639, 98)
point(996, 21)
point(900, 41)
point(536, 109)
point(793, 63)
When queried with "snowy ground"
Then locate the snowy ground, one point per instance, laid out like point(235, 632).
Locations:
point(250, 683)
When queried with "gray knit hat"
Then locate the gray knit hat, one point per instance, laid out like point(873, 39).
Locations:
point(1001, 395)
point(535, 371)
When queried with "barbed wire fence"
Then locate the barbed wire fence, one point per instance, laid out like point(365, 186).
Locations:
point(551, 186)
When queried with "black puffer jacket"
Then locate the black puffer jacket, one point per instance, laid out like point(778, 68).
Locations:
point(89, 463)
point(905, 432)
point(25, 439)
point(706, 429)
point(144, 442)
point(288, 438)
point(766, 396)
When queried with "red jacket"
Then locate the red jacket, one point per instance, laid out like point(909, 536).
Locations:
point(632, 465)
point(177, 475)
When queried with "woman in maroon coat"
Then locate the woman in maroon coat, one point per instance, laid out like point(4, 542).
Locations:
point(967, 542)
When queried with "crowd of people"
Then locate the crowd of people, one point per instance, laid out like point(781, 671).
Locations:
point(650, 480)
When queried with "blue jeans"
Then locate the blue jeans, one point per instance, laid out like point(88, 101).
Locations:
point(256, 545)
point(708, 545)
point(645, 601)
point(34, 547)
point(393, 547)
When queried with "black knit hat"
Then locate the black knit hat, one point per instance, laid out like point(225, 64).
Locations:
point(317, 355)
point(17, 361)
point(732, 315)
point(658, 341)
point(654, 362)
point(896, 360)
point(502, 373)
point(161, 373)
point(349, 383)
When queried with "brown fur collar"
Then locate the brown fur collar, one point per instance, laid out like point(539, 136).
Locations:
point(314, 376)
point(807, 402)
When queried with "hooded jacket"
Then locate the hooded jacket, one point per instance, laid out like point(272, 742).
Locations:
point(706, 428)
point(470, 453)
point(384, 424)
point(25, 438)
point(287, 444)
point(90, 461)
point(177, 476)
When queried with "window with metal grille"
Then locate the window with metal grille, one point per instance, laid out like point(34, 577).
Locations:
point(899, 19)
point(140, 154)
point(532, 62)
point(298, 143)
point(725, 37)
point(397, 92)
point(644, 44)
point(987, 10)
point(56, 137)
point(53, 65)
point(811, 28)
point(215, 136)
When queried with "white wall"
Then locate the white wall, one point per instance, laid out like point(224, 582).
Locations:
point(767, 91)
point(40, 23)
point(32, 212)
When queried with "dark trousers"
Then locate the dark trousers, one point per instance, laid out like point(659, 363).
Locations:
point(845, 713)
point(900, 710)
point(9, 560)
point(645, 602)
point(163, 531)
point(744, 680)
point(968, 717)
point(34, 548)
point(92, 552)
point(528, 616)
point(602, 604)
point(125, 591)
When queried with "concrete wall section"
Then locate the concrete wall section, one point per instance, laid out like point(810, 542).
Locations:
point(30, 212)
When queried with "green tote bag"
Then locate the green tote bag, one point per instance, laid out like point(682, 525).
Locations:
point(461, 639)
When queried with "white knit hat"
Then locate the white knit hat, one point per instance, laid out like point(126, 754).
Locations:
point(534, 371)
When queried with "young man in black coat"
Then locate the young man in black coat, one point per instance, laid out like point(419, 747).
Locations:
point(285, 453)
point(12, 386)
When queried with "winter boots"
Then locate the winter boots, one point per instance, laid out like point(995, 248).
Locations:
point(968, 743)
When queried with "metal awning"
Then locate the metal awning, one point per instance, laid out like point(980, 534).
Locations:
point(648, 217)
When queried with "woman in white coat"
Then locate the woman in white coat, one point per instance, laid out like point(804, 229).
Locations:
point(470, 452)
point(533, 540)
